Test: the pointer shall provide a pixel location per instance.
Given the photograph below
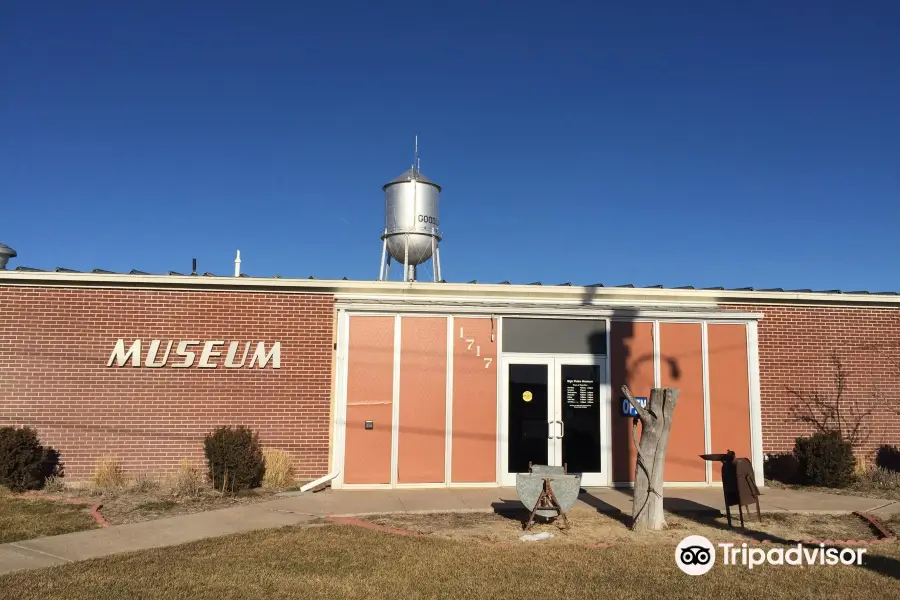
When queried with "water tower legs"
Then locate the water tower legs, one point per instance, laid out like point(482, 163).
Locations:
point(410, 271)
point(436, 262)
point(406, 259)
point(385, 261)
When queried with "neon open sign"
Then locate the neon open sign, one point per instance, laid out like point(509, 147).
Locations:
point(628, 410)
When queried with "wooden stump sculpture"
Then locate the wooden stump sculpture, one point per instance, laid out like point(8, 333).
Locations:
point(656, 423)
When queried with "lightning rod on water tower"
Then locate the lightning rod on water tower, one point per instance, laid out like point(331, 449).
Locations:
point(411, 233)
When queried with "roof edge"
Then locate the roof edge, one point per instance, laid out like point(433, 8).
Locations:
point(428, 289)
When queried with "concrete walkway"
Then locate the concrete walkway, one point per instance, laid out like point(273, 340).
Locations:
point(297, 509)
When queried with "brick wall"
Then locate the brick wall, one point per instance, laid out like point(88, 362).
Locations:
point(795, 347)
point(54, 348)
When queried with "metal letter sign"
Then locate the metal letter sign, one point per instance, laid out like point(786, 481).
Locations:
point(628, 409)
point(158, 352)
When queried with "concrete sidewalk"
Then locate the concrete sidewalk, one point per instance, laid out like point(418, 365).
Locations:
point(704, 499)
point(297, 509)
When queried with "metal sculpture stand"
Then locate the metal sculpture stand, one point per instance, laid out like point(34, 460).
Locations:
point(547, 492)
point(746, 484)
point(738, 484)
point(547, 501)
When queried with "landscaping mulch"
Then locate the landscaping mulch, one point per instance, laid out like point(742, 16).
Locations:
point(127, 506)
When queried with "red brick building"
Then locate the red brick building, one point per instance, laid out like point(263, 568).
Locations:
point(387, 384)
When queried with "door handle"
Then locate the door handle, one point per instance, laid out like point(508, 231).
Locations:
point(562, 430)
point(550, 424)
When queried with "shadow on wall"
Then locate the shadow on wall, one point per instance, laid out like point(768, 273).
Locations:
point(628, 365)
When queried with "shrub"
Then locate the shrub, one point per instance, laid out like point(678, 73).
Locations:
point(888, 457)
point(188, 481)
point(235, 459)
point(279, 471)
point(781, 467)
point(108, 473)
point(24, 463)
point(825, 459)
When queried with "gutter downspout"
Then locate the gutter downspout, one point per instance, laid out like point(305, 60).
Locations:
point(320, 481)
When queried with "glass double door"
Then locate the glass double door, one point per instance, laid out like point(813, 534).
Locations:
point(556, 413)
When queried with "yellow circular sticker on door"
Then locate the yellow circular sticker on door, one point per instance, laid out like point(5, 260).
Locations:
point(526, 396)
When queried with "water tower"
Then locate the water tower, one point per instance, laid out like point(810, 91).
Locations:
point(411, 235)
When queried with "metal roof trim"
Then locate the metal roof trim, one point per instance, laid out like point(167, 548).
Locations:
point(418, 289)
point(513, 309)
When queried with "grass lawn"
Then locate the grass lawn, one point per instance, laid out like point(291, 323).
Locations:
point(591, 527)
point(22, 519)
point(334, 561)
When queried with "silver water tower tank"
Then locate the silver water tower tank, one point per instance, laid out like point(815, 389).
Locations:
point(411, 223)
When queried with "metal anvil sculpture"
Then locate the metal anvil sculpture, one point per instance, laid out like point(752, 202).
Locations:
point(738, 483)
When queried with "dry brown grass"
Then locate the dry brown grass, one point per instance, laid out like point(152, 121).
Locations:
point(340, 562)
point(54, 485)
point(25, 519)
point(108, 474)
point(279, 473)
point(870, 482)
point(591, 527)
point(188, 482)
point(143, 482)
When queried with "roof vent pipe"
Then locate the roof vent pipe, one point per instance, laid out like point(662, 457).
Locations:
point(6, 253)
point(237, 264)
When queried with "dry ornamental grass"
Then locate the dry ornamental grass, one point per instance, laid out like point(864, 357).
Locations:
point(188, 481)
point(279, 470)
point(108, 474)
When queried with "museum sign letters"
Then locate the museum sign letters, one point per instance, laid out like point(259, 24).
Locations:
point(158, 353)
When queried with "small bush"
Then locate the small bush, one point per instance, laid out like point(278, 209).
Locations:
point(24, 463)
point(235, 459)
point(188, 481)
point(781, 467)
point(825, 459)
point(108, 474)
point(279, 470)
point(888, 457)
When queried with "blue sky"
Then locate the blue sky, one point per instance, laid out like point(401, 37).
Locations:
point(704, 143)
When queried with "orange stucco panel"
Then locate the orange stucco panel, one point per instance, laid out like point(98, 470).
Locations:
point(681, 366)
point(423, 400)
point(474, 432)
point(370, 376)
point(631, 363)
point(729, 391)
